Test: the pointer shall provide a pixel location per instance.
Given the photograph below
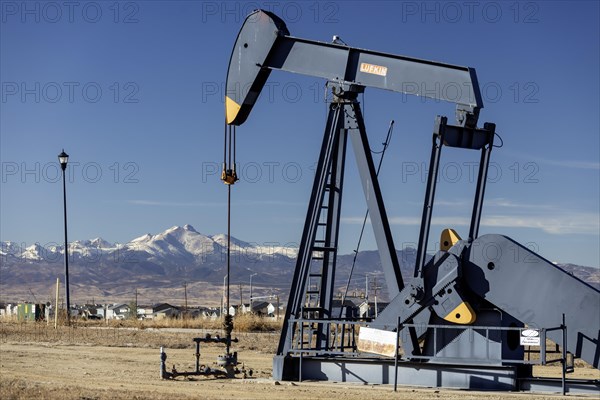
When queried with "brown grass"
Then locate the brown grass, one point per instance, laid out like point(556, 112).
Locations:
point(171, 334)
point(39, 361)
point(25, 389)
point(241, 323)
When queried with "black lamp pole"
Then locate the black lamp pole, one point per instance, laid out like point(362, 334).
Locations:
point(63, 158)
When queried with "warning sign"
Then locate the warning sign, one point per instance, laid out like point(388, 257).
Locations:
point(530, 337)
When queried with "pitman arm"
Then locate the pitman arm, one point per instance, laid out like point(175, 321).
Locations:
point(264, 44)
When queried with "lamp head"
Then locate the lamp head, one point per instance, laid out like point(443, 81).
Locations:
point(63, 159)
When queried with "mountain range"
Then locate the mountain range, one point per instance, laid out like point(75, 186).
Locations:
point(162, 264)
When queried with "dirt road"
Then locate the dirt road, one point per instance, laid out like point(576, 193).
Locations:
point(59, 370)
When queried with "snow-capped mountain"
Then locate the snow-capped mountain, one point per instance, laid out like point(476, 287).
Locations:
point(9, 248)
point(182, 254)
point(34, 252)
point(178, 244)
point(175, 244)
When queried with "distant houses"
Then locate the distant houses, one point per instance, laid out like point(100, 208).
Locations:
point(118, 311)
point(8, 310)
point(347, 309)
point(144, 312)
point(368, 309)
point(122, 311)
point(165, 310)
point(263, 308)
point(212, 314)
point(23, 311)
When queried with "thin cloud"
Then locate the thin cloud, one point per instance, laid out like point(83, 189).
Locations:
point(574, 164)
point(172, 203)
point(453, 203)
point(155, 203)
point(409, 221)
point(556, 224)
point(571, 223)
point(502, 202)
point(272, 203)
point(496, 202)
point(446, 221)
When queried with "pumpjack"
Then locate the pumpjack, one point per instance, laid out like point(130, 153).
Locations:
point(464, 318)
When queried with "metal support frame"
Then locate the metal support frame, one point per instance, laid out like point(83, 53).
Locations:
point(484, 163)
point(461, 137)
point(318, 247)
point(564, 360)
point(434, 164)
point(300, 281)
point(375, 205)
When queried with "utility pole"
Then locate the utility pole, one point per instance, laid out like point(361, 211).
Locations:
point(241, 300)
point(367, 293)
point(56, 304)
point(185, 294)
point(251, 275)
point(136, 304)
point(375, 289)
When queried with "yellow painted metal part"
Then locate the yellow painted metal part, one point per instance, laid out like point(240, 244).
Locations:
point(463, 314)
point(229, 177)
point(231, 109)
point(448, 238)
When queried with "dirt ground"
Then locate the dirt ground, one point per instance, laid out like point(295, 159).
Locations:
point(88, 363)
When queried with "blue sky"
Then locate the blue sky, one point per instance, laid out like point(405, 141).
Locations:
point(133, 91)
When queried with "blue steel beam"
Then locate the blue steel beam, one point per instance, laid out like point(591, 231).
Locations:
point(264, 43)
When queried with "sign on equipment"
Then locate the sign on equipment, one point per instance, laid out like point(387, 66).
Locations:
point(530, 337)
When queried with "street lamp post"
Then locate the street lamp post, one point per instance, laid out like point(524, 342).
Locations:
point(63, 158)
point(251, 275)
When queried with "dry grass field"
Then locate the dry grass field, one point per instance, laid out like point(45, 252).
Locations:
point(94, 361)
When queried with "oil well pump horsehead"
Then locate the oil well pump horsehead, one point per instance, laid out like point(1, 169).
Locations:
point(460, 319)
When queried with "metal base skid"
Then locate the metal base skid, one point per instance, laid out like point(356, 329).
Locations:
point(453, 376)
point(381, 371)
